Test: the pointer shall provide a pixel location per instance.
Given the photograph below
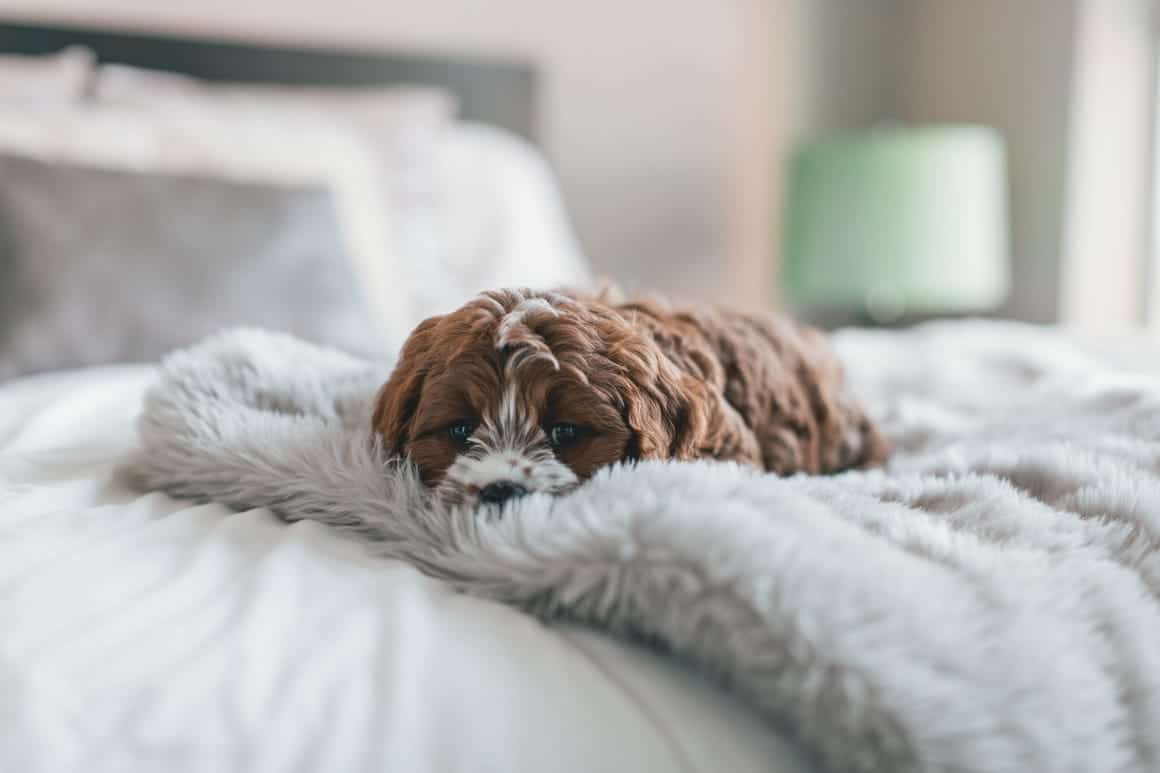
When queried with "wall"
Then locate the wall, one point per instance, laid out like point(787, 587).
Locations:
point(1108, 216)
point(1009, 65)
point(656, 115)
point(669, 122)
point(845, 69)
point(1070, 85)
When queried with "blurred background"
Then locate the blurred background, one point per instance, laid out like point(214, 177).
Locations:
point(881, 159)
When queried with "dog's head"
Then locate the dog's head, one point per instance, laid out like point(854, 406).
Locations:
point(522, 391)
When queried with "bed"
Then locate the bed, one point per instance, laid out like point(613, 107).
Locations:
point(141, 632)
point(178, 592)
point(988, 603)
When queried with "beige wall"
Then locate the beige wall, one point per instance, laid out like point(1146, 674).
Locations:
point(1108, 216)
point(1009, 65)
point(669, 122)
point(1070, 83)
point(845, 70)
point(657, 115)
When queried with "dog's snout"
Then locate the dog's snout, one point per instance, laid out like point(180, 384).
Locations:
point(501, 491)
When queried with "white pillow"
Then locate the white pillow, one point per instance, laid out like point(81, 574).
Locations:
point(388, 114)
point(106, 265)
point(400, 125)
point(472, 207)
point(212, 143)
point(492, 217)
point(60, 78)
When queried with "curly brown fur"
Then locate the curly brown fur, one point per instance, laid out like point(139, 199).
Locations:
point(480, 395)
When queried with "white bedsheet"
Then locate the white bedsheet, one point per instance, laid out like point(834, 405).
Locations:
point(141, 633)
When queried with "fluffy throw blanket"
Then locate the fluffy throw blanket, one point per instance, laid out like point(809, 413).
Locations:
point(987, 603)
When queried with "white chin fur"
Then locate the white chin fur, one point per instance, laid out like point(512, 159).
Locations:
point(536, 472)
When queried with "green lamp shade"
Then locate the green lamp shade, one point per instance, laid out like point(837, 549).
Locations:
point(899, 221)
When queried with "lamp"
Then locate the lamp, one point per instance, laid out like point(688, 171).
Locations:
point(898, 222)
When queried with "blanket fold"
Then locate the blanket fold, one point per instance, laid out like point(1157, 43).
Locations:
point(986, 603)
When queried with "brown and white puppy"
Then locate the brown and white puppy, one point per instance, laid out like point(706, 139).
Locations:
point(521, 391)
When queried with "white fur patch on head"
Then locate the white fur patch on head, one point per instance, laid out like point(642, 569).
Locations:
point(514, 319)
point(515, 334)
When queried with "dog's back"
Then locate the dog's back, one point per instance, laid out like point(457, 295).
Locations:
point(785, 405)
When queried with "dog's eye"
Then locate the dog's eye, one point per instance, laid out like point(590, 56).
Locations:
point(563, 434)
point(460, 432)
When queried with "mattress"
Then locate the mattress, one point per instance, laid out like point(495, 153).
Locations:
point(138, 632)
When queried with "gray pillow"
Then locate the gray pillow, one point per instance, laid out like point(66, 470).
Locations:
point(101, 266)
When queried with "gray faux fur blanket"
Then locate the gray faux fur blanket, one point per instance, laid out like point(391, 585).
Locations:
point(987, 603)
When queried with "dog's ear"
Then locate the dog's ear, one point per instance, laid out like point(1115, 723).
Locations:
point(666, 410)
point(397, 400)
point(689, 415)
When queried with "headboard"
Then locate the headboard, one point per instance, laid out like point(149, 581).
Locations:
point(496, 92)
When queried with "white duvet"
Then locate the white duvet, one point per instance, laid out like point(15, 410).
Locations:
point(141, 633)
point(1003, 568)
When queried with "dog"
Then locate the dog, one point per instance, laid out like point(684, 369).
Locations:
point(524, 391)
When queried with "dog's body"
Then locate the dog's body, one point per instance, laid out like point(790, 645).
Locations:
point(524, 391)
point(776, 398)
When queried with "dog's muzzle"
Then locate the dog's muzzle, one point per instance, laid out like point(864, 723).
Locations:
point(501, 491)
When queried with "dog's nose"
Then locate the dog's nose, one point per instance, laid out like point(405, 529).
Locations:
point(501, 491)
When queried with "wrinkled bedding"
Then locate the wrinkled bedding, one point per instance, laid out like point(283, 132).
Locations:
point(142, 633)
point(986, 603)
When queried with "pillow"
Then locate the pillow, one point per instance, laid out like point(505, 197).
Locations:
point(472, 206)
point(402, 126)
point(203, 144)
point(388, 112)
point(399, 124)
point(59, 78)
point(495, 218)
point(101, 265)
